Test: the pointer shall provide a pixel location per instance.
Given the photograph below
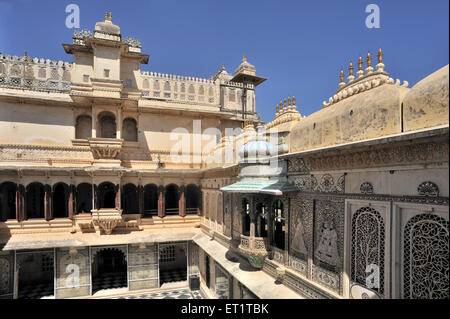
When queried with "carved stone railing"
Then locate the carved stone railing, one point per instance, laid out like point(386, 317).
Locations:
point(106, 218)
point(177, 88)
point(34, 74)
point(255, 249)
point(278, 255)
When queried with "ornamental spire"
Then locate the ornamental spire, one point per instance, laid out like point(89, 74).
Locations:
point(380, 56)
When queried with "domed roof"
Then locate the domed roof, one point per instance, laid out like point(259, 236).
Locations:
point(426, 104)
point(107, 26)
point(257, 147)
point(245, 67)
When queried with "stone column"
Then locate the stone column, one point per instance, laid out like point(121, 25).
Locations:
point(141, 199)
point(161, 203)
point(71, 202)
point(182, 203)
point(95, 197)
point(118, 196)
point(20, 203)
point(94, 123)
point(48, 212)
point(119, 124)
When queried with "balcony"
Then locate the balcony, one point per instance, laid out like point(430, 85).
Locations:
point(255, 249)
point(106, 219)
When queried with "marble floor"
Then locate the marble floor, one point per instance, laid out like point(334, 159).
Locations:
point(184, 293)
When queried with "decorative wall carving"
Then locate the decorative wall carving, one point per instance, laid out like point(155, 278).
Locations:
point(5, 275)
point(329, 242)
point(428, 189)
point(402, 154)
point(425, 253)
point(368, 238)
point(308, 183)
point(366, 188)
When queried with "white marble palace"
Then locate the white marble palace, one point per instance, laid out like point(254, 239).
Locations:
point(112, 177)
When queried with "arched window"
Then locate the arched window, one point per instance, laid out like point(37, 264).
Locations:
point(150, 200)
point(106, 195)
point(192, 199)
point(130, 202)
point(145, 84)
point(83, 127)
point(129, 130)
point(7, 201)
point(172, 197)
point(167, 86)
point(107, 125)
point(279, 220)
point(35, 200)
point(245, 217)
point(84, 198)
point(60, 200)
point(191, 89)
point(156, 85)
point(201, 90)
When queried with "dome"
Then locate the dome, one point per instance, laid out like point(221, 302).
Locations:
point(426, 104)
point(257, 147)
point(107, 27)
point(245, 67)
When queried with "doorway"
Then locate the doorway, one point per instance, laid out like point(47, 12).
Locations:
point(172, 263)
point(109, 269)
point(35, 274)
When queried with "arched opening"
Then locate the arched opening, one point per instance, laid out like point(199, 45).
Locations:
point(172, 197)
point(129, 130)
point(279, 221)
point(107, 125)
point(84, 198)
point(193, 196)
point(60, 200)
point(35, 201)
point(106, 195)
point(262, 220)
point(109, 269)
point(83, 127)
point(245, 217)
point(130, 202)
point(35, 276)
point(150, 200)
point(7, 201)
point(172, 263)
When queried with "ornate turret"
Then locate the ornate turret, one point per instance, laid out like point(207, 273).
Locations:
point(246, 73)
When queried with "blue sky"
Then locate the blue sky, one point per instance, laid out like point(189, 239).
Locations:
point(300, 46)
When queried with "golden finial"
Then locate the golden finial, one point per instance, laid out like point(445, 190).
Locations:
point(341, 76)
point(369, 59)
point(281, 104)
point(259, 117)
point(244, 58)
point(110, 16)
point(350, 68)
point(25, 53)
point(360, 63)
point(223, 66)
point(106, 15)
point(289, 100)
point(284, 106)
point(293, 100)
point(380, 56)
point(277, 108)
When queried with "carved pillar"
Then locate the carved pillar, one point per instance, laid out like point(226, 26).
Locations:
point(117, 196)
point(141, 199)
point(119, 123)
point(48, 211)
point(182, 203)
point(71, 201)
point(200, 201)
point(161, 204)
point(94, 123)
point(96, 203)
point(20, 203)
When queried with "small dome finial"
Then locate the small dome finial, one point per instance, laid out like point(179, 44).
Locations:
point(369, 59)
point(350, 69)
point(380, 56)
point(289, 100)
point(341, 76)
point(25, 53)
point(244, 58)
point(284, 105)
point(293, 100)
point(360, 64)
point(277, 108)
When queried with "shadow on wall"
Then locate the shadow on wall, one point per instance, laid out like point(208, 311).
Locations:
point(243, 263)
